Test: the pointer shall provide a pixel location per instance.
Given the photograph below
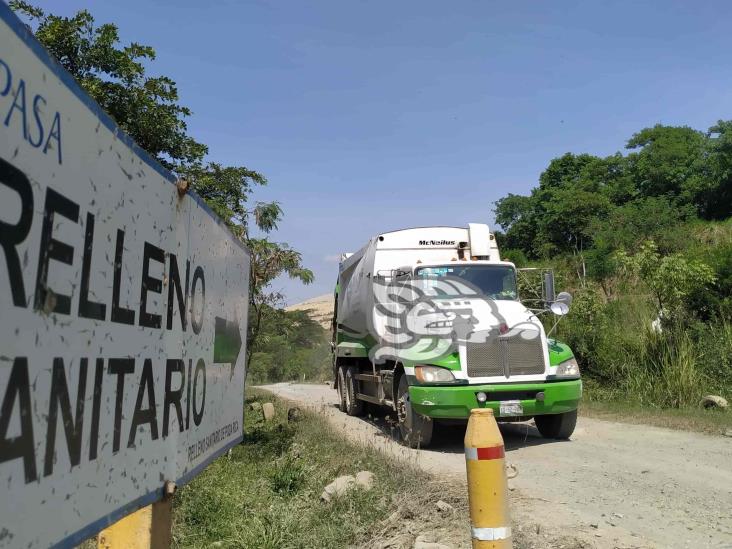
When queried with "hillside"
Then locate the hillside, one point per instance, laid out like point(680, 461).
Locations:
point(319, 308)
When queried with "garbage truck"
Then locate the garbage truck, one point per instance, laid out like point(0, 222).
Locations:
point(429, 323)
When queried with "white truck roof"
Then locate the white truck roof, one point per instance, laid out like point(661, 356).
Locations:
point(428, 245)
point(404, 249)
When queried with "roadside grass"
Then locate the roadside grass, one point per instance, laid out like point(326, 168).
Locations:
point(267, 492)
point(599, 403)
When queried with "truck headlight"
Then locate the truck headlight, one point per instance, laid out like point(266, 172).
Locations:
point(568, 368)
point(433, 374)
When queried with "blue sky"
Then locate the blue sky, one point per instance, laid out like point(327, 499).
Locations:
point(371, 116)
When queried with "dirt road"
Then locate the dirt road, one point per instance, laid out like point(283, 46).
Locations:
point(613, 485)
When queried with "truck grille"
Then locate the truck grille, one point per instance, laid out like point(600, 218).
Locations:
point(517, 353)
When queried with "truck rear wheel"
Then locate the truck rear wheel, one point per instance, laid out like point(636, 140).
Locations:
point(559, 426)
point(416, 430)
point(354, 407)
point(341, 381)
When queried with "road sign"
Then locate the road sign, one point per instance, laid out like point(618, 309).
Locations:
point(123, 312)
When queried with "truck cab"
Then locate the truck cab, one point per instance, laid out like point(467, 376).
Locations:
point(429, 323)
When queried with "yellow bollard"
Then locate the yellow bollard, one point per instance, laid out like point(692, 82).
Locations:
point(487, 484)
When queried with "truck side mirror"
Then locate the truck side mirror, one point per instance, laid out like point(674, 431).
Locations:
point(561, 304)
point(547, 287)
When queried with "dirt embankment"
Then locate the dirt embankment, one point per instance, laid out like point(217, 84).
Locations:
point(614, 485)
point(320, 309)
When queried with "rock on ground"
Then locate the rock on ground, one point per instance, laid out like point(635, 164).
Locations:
point(294, 414)
point(341, 485)
point(268, 411)
point(365, 479)
point(444, 507)
point(255, 406)
point(338, 487)
point(714, 401)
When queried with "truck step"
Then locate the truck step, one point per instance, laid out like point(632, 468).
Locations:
point(375, 400)
point(370, 378)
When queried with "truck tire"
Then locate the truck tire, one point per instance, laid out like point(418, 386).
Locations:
point(559, 426)
point(341, 381)
point(416, 430)
point(354, 407)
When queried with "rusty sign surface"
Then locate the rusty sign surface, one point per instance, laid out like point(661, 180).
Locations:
point(124, 307)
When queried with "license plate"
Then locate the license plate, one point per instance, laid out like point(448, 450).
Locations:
point(511, 408)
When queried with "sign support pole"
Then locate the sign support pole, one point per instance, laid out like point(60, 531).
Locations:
point(146, 528)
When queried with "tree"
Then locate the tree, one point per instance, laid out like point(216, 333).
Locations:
point(568, 215)
point(611, 177)
point(671, 175)
point(573, 191)
point(669, 161)
point(516, 214)
point(554, 219)
point(671, 279)
point(269, 261)
point(626, 227)
point(715, 199)
point(147, 108)
point(291, 345)
point(227, 190)
point(565, 170)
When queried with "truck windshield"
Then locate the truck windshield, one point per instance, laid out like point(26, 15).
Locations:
point(495, 281)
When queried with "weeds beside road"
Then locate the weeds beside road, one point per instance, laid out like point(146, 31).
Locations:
point(612, 485)
point(267, 493)
point(712, 421)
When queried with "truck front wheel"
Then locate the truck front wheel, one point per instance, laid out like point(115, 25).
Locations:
point(416, 430)
point(559, 426)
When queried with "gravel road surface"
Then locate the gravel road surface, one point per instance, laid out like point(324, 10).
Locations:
point(613, 485)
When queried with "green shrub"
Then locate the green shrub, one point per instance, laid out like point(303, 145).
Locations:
point(623, 358)
point(288, 476)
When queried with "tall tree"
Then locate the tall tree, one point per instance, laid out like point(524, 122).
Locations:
point(565, 170)
point(148, 109)
point(669, 161)
point(715, 199)
point(518, 216)
point(269, 261)
point(228, 191)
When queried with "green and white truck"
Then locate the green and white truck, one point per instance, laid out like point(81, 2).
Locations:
point(428, 323)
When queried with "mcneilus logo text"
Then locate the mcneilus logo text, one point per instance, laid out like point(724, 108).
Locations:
point(436, 242)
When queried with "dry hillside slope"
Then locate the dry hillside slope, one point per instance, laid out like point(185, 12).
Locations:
point(320, 309)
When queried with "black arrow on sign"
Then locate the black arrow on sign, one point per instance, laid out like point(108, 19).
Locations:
point(227, 341)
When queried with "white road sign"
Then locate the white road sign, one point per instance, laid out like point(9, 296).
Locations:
point(123, 313)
